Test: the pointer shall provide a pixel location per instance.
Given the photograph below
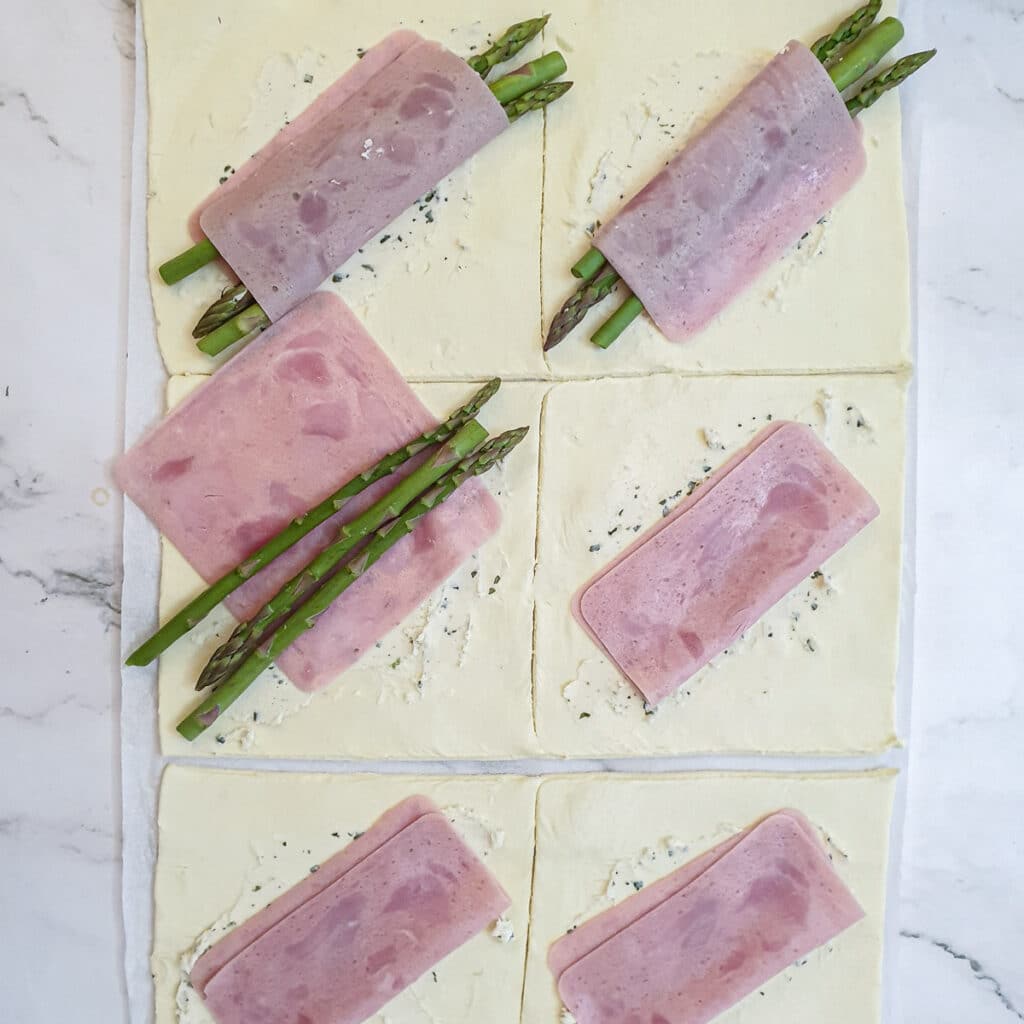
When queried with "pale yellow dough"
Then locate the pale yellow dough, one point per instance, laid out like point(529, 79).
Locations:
point(647, 77)
point(817, 673)
point(456, 298)
point(229, 842)
point(596, 835)
point(453, 680)
point(468, 295)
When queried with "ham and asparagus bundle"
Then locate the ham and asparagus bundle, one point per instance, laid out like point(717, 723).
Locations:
point(402, 119)
point(744, 190)
point(312, 405)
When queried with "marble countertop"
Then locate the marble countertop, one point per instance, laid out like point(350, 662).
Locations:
point(64, 125)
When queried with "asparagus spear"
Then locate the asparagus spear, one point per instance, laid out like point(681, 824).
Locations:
point(248, 635)
point(866, 53)
point(589, 293)
point(588, 264)
point(250, 322)
point(536, 99)
point(232, 301)
point(304, 617)
point(507, 45)
point(848, 31)
point(529, 76)
point(188, 262)
point(197, 610)
point(888, 79)
point(617, 322)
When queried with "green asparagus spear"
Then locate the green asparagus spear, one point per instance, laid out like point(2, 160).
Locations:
point(617, 322)
point(507, 45)
point(188, 262)
point(536, 99)
point(304, 618)
point(588, 264)
point(848, 31)
point(242, 326)
point(866, 53)
point(589, 294)
point(197, 610)
point(888, 79)
point(247, 636)
point(529, 76)
point(232, 301)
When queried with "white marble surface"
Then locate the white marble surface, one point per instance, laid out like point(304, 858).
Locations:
point(65, 105)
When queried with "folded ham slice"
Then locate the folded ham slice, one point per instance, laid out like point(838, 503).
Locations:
point(692, 945)
point(738, 195)
point(685, 590)
point(360, 157)
point(300, 411)
point(350, 937)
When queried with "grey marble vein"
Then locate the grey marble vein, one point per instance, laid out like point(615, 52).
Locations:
point(97, 585)
point(976, 968)
point(18, 99)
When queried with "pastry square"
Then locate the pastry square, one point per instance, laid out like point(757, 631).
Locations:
point(816, 675)
point(601, 838)
point(454, 680)
point(230, 842)
point(648, 78)
point(223, 81)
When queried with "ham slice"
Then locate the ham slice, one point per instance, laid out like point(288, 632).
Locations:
point(693, 944)
point(351, 167)
point(304, 408)
point(376, 58)
point(683, 592)
point(738, 195)
point(349, 938)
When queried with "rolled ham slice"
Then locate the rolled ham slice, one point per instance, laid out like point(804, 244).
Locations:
point(738, 195)
point(692, 945)
point(346, 940)
point(349, 169)
point(308, 405)
point(685, 590)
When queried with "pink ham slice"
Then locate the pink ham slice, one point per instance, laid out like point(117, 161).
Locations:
point(689, 947)
point(737, 196)
point(303, 409)
point(375, 59)
point(690, 586)
point(310, 204)
point(352, 936)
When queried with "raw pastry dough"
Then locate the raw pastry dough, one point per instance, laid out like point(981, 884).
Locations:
point(644, 83)
point(224, 78)
point(600, 837)
point(452, 681)
point(461, 297)
point(229, 842)
point(817, 673)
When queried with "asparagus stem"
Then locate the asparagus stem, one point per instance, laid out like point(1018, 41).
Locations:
point(232, 300)
point(197, 610)
point(247, 636)
point(528, 77)
point(507, 45)
point(252, 320)
point(888, 79)
point(848, 31)
point(589, 294)
point(866, 53)
point(588, 264)
point(304, 618)
point(617, 322)
point(188, 262)
point(536, 99)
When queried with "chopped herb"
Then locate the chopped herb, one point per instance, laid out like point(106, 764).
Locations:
point(222, 739)
point(384, 238)
point(638, 885)
point(369, 267)
point(497, 580)
point(336, 278)
point(584, 714)
point(314, 869)
point(307, 78)
point(256, 888)
point(396, 663)
point(595, 547)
